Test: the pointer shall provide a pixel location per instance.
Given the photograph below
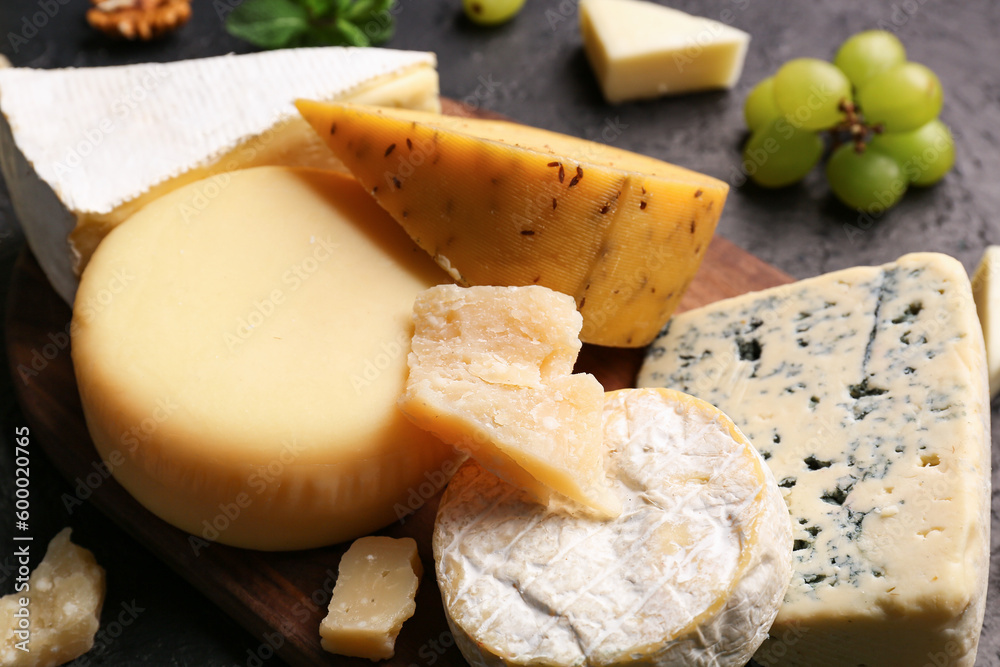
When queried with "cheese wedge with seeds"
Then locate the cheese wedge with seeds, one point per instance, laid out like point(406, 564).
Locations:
point(497, 203)
point(139, 131)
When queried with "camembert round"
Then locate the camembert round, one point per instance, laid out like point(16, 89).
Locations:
point(691, 573)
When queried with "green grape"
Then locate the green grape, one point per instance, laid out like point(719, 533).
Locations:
point(760, 109)
point(779, 154)
point(491, 12)
point(867, 53)
point(925, 154)
point(809, 92)
point(902, 98)
point(870, 181)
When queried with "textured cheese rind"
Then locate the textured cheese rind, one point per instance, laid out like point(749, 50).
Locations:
point(491, 373)
point(986, 291)
point(65, 593)
point(691, 573)
point(136, 127)
point(239, 366)
point(641, 49)
point(866, 391)
point(496, 203)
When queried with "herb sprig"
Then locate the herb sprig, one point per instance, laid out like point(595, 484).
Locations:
point(275, 24)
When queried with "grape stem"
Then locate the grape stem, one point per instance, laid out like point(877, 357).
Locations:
point(853, 128)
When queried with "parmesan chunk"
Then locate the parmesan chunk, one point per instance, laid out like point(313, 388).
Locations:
point(373, 597)
point(490, 373)
point(63, 611)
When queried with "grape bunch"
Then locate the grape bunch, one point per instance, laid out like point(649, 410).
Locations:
point(877, 111)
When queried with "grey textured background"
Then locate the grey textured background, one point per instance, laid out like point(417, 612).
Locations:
point(533, 70)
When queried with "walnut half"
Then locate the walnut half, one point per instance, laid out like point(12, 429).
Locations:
point(138, 19)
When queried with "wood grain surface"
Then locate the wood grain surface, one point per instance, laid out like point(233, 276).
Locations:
point(279, 597)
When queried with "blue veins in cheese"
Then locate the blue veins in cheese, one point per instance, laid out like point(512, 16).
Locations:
point(865, 390)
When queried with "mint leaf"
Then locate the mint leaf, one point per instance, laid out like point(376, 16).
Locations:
point(356, 9)
point(326, 35)
point(270, 24)
point(273, 24)
point(379, 29)
point(354, 35)
point(322, 8)
point(374, 19)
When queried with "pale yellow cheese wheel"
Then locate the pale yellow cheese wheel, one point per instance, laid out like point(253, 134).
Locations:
point(239, 345)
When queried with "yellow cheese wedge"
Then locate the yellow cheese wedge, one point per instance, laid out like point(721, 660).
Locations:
point(497, 203)
point(491, 373)
point(374, 595)
point(55, 618)
point(641, 49)
point(239, 346)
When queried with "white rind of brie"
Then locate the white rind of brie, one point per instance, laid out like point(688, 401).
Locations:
point(692, 572)
point(83, 148)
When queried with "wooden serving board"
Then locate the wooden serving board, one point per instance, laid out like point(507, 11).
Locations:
point(284, 593)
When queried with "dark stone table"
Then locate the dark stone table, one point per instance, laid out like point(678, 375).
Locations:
point(533, 70)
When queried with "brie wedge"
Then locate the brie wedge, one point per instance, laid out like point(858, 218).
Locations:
point(82, 149)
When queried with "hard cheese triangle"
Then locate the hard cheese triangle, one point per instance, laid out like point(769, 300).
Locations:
point(641, 49)
point(84, 148)
point(491, 374)
point(497, 203)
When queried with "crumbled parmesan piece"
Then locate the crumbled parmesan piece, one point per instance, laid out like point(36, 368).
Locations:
point(376, 586)
point(55, 618)
point(491, 373)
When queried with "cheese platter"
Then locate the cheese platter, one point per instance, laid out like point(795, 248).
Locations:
point(88, 405)
point(280, 595)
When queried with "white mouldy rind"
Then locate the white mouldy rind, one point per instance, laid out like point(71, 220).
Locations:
point(83, 148)
point(692, 572)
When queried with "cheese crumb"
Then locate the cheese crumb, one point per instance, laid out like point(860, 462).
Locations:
point(64, 598)
point(376, 586)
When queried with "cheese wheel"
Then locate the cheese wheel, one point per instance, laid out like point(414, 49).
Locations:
point(239, 345)
point(691, 573)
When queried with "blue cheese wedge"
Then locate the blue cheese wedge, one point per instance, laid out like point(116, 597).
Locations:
point(691, 573)
point(865, 390)
point(137, 132)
